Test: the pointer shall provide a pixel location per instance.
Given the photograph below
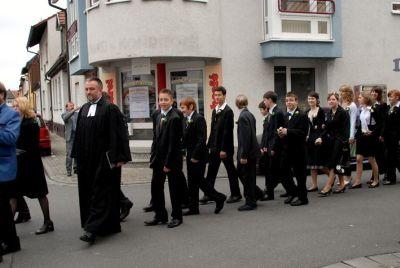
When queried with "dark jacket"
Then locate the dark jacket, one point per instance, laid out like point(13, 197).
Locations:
point(166, 147)
point(248, 147)
point(391, 129)
point(297, 131)
point(221, 136)
point(277, 120)
point(195, 137)
point(337, 126)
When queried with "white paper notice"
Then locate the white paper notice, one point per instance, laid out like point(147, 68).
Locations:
point(141, 66)
point(187, 90)
point(139, 102)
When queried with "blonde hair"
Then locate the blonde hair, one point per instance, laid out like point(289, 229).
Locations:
point(367, 98)
point(241, 101)
point(346, 93)
point(25, 107)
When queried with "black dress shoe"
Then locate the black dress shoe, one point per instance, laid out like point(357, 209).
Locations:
point(234, 199)
point(389, 182)
point(174, 223)
point(46, 227)
point(22, 217)
point(69, 174)
point(299, 202)
point(149, 208)
point(125, 210)
point(284, 195)
point(88, 237)
point(155, 222)
point(289, 199)
point(190, 212)
point(246, 207)
point(205, 200)
point(10, 247)
point(219, 203)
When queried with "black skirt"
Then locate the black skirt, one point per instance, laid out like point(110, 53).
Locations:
point(367, 146)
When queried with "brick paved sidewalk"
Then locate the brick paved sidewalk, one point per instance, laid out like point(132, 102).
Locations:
point(137, 171)
point(391, 260)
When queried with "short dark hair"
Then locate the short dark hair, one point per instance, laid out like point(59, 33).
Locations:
point(313, 94)
point(271, 95)
point(167, 91)
point(291, 94)
point(262, 105)
point(221, 89)
point(3, 90)
point(97, 80)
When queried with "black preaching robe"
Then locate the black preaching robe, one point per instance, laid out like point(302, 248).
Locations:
point(100, 140)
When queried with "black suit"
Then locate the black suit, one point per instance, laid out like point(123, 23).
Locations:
point(221, 139)
point(294, 153)
point(194, 140)
point(166, 152)
point(391, 134)
point(381, 109)
point(249, 149)
point(271, 141)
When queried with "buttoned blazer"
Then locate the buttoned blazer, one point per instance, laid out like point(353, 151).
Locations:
point(297, 130)
point(248, 147)
point(9, 131)
point(221, 135)
point(195, 137)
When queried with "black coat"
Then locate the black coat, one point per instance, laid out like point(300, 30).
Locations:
point(277, 120)
point(337, 126)
point(195, 137)
point(376, 128)
point(167, 141)
point(391, 129)
point(221, 136)
point(30, 173)
point(297, 131)
point(248, 147)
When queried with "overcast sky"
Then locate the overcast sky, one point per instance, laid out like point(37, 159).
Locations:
point(16, 18)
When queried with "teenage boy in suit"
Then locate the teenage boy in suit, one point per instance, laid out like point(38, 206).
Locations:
point(166, 160)
point(220, 145)
point(194, 142)
point(247, 153)
point(293, 135)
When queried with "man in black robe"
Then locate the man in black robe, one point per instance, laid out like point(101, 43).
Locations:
point(101, 147)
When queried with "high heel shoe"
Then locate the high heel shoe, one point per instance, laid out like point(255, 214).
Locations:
point(46, 227)
point(22, 217)
point(323, 194)
point(340, 191)
point(372, 185)
point(357, 186)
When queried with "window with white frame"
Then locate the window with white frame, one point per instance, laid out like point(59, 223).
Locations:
point(73, 46)
point(72, 12)
point(298, 19)
point(93, 2)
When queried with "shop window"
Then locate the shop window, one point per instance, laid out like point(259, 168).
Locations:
point(188, 84)
point(138, 97)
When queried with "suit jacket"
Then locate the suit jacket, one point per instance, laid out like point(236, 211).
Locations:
point(337, 126)
point(248, 147)
point(391, 129)
point(221, 135)
point(167, 141)
point(277, 120)
point(69, 119)
point(297, 130)
point(9, 132)
point(195, 136)
point(375, 124)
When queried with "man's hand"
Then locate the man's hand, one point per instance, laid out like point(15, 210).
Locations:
point(120, 164)
point(194, 160)
point(222, 155)
point(166, 170)
point(318, 141)
point(243, 161)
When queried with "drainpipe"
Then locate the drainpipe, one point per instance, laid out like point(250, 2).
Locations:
point(51, 3)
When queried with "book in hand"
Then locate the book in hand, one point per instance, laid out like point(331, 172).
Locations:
point(112, 165)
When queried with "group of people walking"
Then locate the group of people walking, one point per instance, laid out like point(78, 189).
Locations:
point(292, 142)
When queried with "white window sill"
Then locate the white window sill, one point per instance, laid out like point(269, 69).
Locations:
point(116, 2)
point(92, 7)
point(297, 40)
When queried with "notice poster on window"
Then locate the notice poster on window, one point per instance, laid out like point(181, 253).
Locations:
point(139, 102)
point(187, 90)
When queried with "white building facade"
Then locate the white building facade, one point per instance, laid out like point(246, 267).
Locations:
point(250, 47)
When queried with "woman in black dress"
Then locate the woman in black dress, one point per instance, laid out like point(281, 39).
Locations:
point(367, 138)
point(380, 107)
point(336, 133)
point(316, 159)
point(31, 181)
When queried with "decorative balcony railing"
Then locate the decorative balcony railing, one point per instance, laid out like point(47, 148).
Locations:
point(326, 7)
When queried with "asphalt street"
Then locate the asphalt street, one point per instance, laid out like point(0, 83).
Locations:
point(361, 222)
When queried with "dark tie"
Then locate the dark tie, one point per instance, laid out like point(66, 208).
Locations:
point(162, 120)
point(289, 115)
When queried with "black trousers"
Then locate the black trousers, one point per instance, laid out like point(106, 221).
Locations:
point(8, 233)
point(197, 181)
point(296, 167)
point(276, 173)
point(247, 173)
point(392, 159)
point(157, 192)
point(213, 165)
